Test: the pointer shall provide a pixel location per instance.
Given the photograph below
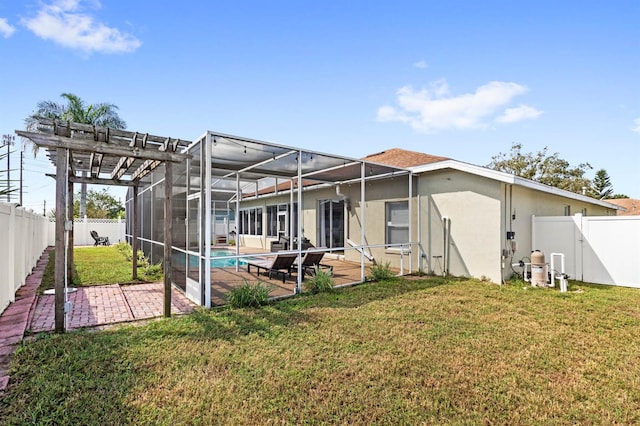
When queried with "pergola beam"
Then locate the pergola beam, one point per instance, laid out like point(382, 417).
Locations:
point(121, 168)
point(89, 146)
point(96, 181)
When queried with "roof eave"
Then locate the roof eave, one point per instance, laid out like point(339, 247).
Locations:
point(509, 179)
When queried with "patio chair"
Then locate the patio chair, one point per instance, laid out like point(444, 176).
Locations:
point(104, 241)
point(280, 264)
point(310, 261)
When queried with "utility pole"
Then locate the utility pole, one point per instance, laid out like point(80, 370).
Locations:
point(8, 140)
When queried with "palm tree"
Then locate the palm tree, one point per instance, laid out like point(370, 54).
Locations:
point(76, 110)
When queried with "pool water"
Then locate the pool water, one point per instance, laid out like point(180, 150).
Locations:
point(215, 263)
point(224, 263)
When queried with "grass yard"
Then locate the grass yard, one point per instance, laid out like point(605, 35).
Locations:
point(97, 265)
point(396, 352)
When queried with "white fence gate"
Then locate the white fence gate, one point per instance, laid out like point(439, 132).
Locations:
point(597, 249)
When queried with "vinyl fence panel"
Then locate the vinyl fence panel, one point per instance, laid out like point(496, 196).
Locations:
point(22, 243)
point(597, 249)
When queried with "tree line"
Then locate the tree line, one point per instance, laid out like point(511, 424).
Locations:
point(552, 170)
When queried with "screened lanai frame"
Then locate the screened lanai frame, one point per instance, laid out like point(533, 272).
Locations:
point(240, 170)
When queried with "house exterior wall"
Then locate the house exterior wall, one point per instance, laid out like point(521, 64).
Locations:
point(473, 206)
point(377, 194)
point(526, 202)
point(480, 211)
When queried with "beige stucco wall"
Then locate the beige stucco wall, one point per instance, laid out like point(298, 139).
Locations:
point(481, 211)
point(472, 205)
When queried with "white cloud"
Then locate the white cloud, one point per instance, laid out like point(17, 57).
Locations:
point(434, 108)
point(421, 64)
point(6, 30)
point(636, 128)
point(522, 112)
point(63, 22)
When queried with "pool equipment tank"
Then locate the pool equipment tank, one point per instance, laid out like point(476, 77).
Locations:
point(538, 269)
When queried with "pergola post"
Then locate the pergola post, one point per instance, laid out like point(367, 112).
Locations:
point(61, 188)
point(168, 192)
point(134, 235)
point(70, 234)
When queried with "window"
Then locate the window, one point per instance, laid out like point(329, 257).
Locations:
point(272, 221)
point(567, 210)
point(251, 221)
point(278, 220)
point(584, 211)
point(397, 222)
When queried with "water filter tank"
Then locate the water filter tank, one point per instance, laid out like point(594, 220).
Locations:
point(538, 273)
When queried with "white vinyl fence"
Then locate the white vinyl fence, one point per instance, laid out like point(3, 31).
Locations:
point(24, 238)
point(597, 249)
point(112, 228)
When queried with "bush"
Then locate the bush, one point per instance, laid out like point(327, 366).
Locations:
point(152, 272)
point(381, 272)
point(320, 282)
point(249, 295)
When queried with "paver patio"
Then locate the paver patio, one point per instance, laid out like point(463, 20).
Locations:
point(90, 307)
point(109, 304)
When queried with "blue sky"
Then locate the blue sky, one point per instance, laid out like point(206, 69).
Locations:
point(461, 79)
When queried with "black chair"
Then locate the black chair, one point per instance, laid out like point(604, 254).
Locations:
point(310, 262)
point(99, 241)
point(280, 265)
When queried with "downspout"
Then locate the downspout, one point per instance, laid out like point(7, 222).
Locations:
point(419, 225)
point(446, 234)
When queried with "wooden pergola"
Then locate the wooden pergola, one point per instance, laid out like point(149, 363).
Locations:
point(89, 154)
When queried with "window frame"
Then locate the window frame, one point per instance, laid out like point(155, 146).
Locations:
point(390, 226)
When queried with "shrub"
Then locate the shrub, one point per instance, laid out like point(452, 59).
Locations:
point(152, 272)
point(127, 252)
point(249, 295)
point(320, 282)
point(381, 272)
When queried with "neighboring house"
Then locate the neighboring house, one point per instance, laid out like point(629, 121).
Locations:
point(631, 206)
point(413, 210)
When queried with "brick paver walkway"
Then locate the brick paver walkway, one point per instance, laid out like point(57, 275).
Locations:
point(90, 306)
point(14, 319)
point(109, 304)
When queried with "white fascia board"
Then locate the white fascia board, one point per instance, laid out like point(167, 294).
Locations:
point(510, 179)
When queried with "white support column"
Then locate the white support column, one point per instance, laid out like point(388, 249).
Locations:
point(168, 236)
point(299, 230)
point(363, 171)
point(238, 196)
point(208, 155)
point(291, 221)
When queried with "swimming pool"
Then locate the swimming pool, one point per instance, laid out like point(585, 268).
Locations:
point(224, 263)
point(215, 263)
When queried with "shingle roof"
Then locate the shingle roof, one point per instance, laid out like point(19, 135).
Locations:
point(403, 158)
point(631, 204)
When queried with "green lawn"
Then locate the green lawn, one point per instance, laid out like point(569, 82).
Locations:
point(97, 265)
point(395, 352)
